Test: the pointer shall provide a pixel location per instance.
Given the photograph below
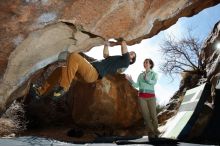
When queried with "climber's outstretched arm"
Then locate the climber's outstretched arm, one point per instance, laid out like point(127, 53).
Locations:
point(124, 48)
point(123, 44)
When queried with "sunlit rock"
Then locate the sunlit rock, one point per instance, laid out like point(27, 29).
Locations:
point(110, 102)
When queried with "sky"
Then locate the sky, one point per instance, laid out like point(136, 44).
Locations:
point(202, 25)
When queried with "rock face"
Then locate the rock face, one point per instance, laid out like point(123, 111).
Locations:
point(211, 57)
point(206, 126)
point(110, 102)
point(105, 108)
point(31, 27)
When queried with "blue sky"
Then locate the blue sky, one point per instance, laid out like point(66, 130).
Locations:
point(202, 25)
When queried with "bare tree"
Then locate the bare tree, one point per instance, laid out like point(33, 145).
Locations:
point(181, 54)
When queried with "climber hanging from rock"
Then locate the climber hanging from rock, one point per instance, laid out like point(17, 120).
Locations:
point(77, 67)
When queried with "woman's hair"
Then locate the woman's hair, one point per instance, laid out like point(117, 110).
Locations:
point(150, 61)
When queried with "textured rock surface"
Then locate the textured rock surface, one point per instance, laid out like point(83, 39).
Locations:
point(107, 107)
point(206, 126)
point(211, 56)
point(110, 102)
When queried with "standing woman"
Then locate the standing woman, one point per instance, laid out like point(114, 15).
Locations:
point(145, 83)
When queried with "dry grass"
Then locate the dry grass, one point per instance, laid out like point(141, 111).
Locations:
point(7, 127)
point(13, 120)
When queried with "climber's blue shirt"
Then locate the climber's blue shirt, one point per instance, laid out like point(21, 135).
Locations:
point(111, 64)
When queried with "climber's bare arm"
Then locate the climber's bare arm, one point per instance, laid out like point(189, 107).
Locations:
point(123, 44)
point(124, 48)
